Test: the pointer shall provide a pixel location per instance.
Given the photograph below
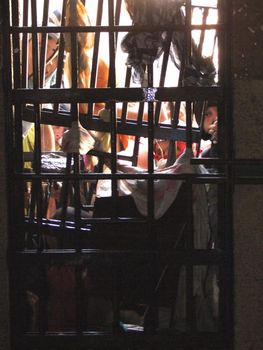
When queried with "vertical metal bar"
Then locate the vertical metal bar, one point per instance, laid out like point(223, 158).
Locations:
point(117, 16)
point(18, 159)
point(18, 155)
point(135, 153)
point(163, 73)
point(14, 277)
point(44, 44)
point(65, 192)
point(175, 117)
point(94, 66)
point(190, 307)
point(150, 148)
point(204, 107)
point(60, 64)
point(114, 189)
point(76, 169)
point(202, 36)
point(77, 202)
point(151, 316)
point(112, 83)
point(37, 184)
point(188, 34)
point(189, 122)
point(37, 145)
point(125, 104)
point(112, 46)
point(12, 114)
point(16, 45)
point(75, 118)
point(25, 47)
point(74, 67)
point(190, 319)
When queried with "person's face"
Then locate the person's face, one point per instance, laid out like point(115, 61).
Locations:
point(210, 118)
point(58, 132)
point(51, 64)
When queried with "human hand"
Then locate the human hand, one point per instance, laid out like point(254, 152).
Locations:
point(213, 132)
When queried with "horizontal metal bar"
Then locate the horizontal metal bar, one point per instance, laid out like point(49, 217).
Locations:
point(86, 223)
point(178, 257)
point(235, 162)
point(114, 94)
point(194, 178)
point(107, 340)
point(110, 29)
point(130, 127)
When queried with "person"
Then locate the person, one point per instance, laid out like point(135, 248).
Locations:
point(58, 134)
point(210, 131)
point(47, 135)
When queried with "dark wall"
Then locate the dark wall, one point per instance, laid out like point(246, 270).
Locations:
point(248, 199)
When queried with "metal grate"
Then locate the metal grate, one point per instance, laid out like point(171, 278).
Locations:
point(98, 273)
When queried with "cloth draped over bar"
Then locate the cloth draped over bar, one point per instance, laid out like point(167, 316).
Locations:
point(144, 47)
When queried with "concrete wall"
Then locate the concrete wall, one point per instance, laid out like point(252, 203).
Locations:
point(248, 199)
point(4, 319)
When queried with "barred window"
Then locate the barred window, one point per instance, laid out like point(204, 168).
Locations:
point(120, 230)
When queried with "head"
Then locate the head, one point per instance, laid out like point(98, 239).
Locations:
point(210, 117)
point(58, 132)
point(51, 47)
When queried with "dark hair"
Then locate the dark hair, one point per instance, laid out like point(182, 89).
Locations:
point(212, 104)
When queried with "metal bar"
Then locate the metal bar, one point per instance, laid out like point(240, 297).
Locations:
point(202, 36)
point(60, 62)
point(114, 187)
point(44, 44)
point(114, 94)
point(112, 47)
point(163, 73)
point(77, 202)
point(74, 68)
point(37, 184)
point(17, 148)
point(175, 257)
point(117, 16)
point(161, 131)
point(125, 104)
point(113, 130)
point(113, 29)
point(189, 122)
point(110, 341)
point(16, 46)
point(196, 178)
point(135, 153)
point(24, 82)
point(65, 191)
point(190, 307)
point(94, 66)
point(204, 107)
point(188, 34)
point(151, 317)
